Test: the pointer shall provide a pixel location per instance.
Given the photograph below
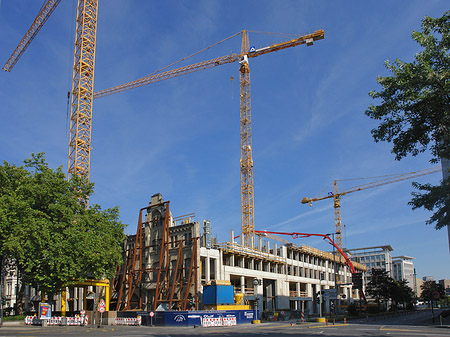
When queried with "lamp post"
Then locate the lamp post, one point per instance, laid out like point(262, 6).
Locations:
point(335, 283)
point(320, 294)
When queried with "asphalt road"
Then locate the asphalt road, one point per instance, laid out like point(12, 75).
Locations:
point(401, 326)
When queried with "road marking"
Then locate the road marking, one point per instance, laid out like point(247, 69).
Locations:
point(326, 326)
point(406, 330)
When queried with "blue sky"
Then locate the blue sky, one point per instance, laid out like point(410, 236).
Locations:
point(181, 137)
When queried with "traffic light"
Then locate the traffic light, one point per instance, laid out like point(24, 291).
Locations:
point(3, 300)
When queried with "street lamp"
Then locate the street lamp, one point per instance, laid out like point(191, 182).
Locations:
point(335, 277)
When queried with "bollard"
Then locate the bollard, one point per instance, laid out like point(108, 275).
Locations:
point(345, 320)
point(326, 321)
point(334, 321)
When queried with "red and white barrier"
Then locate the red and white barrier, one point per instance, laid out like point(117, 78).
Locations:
point(56, 320)
point(32, 320)
point(303, 317)
point(213, 321)
point(228, 321)
point(218, 321)
point(128, 321)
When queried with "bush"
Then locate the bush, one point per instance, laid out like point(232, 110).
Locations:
point(14, 318)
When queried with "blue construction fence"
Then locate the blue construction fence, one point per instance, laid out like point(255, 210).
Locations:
point(194, 317)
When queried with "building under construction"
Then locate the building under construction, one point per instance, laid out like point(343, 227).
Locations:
point(167, 263)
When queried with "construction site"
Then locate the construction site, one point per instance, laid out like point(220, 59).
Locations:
point(174, 265)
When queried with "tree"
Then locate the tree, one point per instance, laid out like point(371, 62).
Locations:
point(415, 110)
point(379, 286)
point(400, 292)
point(46, 228)
point(432, 291)
point(383, 287)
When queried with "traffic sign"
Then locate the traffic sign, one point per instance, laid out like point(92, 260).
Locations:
point(151, 313)
point(329, 294)
point(102, 306)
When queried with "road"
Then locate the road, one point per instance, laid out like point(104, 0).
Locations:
point(416, 325)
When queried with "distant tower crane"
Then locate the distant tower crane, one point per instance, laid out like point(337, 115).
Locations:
point(246, 161)
point(82, 80)
point(336, 195)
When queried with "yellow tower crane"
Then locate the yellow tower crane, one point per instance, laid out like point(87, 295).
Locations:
point(336, 195)
point(82, 80)
point(246, 162)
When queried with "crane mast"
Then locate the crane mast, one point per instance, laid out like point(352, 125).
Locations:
point(82, 89)
point(247, 203)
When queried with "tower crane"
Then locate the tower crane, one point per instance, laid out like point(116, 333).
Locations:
point(246, 161)
point(336, 195)
point(82, 79)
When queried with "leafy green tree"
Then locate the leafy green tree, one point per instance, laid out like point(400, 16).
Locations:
point(401, 293)
point(432, 291)
point(382, 287)
point(414, 110)
point(379, 286)
point(47, 229)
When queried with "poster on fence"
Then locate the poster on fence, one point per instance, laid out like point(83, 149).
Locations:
point(45, 310)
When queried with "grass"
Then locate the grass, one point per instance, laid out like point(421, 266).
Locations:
point(14, 318)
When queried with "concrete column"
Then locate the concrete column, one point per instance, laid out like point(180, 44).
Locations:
point(297, 288)
point(216, 268)
point(243, 284)
point(260, 243)
point(309, 293)
point(275, 249)
point(220, 269)
point(207, 269)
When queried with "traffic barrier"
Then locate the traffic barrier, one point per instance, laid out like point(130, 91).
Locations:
point(303, 317)
point(56, 320)
point(345, 320)
point(228, 321)
point(74, 321)
point(128, 321)
point(32, 320)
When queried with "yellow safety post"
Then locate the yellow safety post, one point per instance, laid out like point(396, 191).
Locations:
point(63, 302)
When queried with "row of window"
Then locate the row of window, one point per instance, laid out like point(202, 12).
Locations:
point(372, 258)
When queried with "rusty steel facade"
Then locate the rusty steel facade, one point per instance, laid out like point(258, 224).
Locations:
point(161, 262)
